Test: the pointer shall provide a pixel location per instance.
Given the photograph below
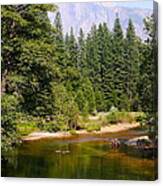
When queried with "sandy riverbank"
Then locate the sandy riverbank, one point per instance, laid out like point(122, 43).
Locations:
point(107, 129)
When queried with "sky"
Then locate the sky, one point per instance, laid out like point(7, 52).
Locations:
point(137, 4)
point(144, 4)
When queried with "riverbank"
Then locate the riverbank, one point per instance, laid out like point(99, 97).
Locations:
point(107, 129)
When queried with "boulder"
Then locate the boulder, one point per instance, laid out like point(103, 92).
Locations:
point(134, 141)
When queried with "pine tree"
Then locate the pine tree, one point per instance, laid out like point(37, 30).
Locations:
point(93, 65)
point(148, 85)
point(59, 42)
point(105, 61)
point(72, 49)
point(85, 96)
point(58, 27)
point(132, 67)
point(12, 22)
point(118, 68)
point(92, 56)
point(71, 71)
point(148, 70)
point(82, 65)
point(28, 64)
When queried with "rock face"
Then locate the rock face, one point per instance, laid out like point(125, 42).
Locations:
point(85, 14)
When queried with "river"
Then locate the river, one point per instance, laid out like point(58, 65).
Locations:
point(82, 157)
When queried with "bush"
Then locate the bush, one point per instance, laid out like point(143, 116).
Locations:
point(49, 126)
point(112, 118)
point(26, 124)
point(9, 135)
point(120, 117)
point(66, 109)
point(72, 132)
point(26, 128)
point(113, 109)
point(93, 127)
point(142, 119)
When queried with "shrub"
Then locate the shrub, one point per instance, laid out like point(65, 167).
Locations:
point(142, 119)
point(120, 117)
point(103, 120)
point(93, 127)
point(112, 118)
point(72, 132)
point(26, 128)
point(9, 135)
point(49, 126)
point(113, 109)
point(26, 124)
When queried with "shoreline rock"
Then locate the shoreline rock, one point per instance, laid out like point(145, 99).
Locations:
point(133, 141)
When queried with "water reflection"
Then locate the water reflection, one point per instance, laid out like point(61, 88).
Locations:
point(88, 159)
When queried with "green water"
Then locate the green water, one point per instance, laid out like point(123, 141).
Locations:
point(88, 157)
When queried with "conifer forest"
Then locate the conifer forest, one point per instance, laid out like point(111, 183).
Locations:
point(54, 82)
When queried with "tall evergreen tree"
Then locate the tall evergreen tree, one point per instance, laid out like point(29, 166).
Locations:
point(28, 63)
point(59, 41)
point(105, 61)
point(92, 56)
point(148, 69)
point(58, 27)
point(72, 49)
point(33, 47)
point(72, 73)
point(82, 65)
point(85, 96)
point(132, 67)
point(117, 95)
point(94, 67)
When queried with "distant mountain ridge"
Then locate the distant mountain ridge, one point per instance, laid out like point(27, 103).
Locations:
point(84, 15)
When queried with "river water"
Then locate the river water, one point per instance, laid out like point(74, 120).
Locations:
point(83, 157)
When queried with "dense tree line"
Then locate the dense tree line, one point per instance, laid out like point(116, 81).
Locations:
point(45, 73)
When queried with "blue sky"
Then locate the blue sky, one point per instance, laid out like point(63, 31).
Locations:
point(137, 4)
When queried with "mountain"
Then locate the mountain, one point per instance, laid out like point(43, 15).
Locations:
point(85, 14)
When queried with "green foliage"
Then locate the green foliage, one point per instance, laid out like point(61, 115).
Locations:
point(117, 79)
point(142, 119)
point(132, 58)
point(49, 126)
point(92, 57)
point(85, 97)
point(47, 75)
point(27, 65)
point(10, 107)
point(72, 132)
point(82, 63)
point(149, 122)
point(26, 128)
point(93, 127)
point(148, 94)
point(120, 117)
point(65, 107)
